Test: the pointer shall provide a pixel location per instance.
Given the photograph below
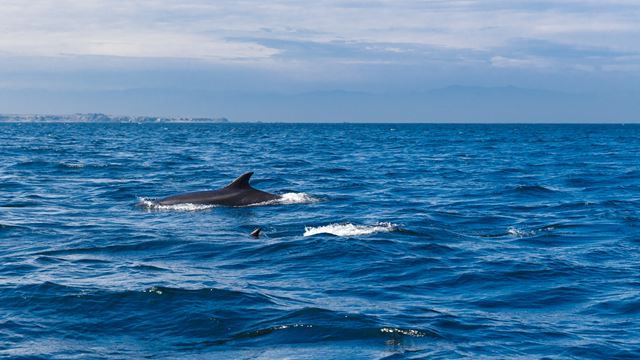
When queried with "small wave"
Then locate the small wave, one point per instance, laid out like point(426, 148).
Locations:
point(149, 204)
point(19, 204)
point(519, 232)
point(407, 332)
point(8, 227)
point(269, 330)
point(290, 199)
point(32, 164)
point(535, 189)
point(296, 198)
point(72, 164)
point(349, 229)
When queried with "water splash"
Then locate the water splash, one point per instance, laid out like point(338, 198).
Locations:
point(149, 204)
point(513, 231)
point(295, 198)
point(350, 229)
point(285, 199)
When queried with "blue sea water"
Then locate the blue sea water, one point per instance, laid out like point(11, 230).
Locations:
point(395, 241)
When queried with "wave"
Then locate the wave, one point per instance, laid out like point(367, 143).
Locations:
point(19, 204)
point(513, 231)
point(349, 229)
point(137, 244)
point(522, 232)
point(32, 164)
point(150, 204)
point(72, 164)
point(292, 198)
point(408, 332)
point(534, 190)
point(9, 227)
point(134, 297)
point(334, 332)
point(540, 298)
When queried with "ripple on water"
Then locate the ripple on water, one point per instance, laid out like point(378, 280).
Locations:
point(469, 241)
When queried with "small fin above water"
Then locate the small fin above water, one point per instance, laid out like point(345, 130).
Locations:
point(256, 233)
point(242, 182)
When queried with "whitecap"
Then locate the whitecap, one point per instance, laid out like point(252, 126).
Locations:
point(152, 205)
point(289, 199)
point(519, 232)
point(73, 164)
point(349, 229)
point(297, 198)
point(407, 332)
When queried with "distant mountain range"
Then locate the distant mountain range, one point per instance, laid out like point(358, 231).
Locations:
point(103, 118)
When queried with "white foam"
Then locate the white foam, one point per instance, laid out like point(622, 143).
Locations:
point(73, 164)
point(407, 332)
point(519, 232)
point(290, 198)
point(152, 205)
point(297, 198)
point(349, 229)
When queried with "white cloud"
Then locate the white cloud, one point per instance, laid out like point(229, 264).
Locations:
point(127, 44)
point(527, 63)
point(214, 30)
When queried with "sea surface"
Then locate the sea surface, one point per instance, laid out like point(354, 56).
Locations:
point(392, 241)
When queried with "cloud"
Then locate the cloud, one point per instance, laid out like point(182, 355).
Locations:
point(133, 44)
point(384, 45)
point(530, 62)
point(205, 29)
point(546, 55)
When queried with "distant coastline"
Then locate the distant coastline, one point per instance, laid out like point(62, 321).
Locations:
point(104, 118)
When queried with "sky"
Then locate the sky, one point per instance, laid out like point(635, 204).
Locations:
point(369, 61)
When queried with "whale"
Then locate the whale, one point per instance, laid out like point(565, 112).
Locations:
point(237, 193)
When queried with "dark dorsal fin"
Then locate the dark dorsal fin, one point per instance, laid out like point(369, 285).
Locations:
point(242, 182)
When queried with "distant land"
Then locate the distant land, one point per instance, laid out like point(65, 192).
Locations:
point(451, 104)
point(104, 118)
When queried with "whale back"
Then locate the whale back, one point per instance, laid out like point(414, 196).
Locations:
point(237, 193)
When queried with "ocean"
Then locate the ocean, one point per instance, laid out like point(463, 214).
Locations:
point(393, 241)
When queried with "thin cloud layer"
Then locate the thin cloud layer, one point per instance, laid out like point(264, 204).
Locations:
point(365, 31)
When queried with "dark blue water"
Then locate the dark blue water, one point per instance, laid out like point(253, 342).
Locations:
point(440, 241)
